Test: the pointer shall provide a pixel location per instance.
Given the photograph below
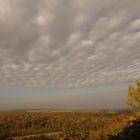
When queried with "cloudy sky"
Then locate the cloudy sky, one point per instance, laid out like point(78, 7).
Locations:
point(68, 48)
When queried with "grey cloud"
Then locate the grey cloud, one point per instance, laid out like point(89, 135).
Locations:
point(69, 43)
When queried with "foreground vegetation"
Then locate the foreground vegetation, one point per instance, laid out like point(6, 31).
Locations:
point(130, 132)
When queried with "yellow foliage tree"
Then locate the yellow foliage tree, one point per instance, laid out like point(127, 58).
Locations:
point(134, 95)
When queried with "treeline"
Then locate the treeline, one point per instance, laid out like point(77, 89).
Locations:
point(75, 125)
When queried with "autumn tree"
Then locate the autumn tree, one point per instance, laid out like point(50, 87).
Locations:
point(134, 96)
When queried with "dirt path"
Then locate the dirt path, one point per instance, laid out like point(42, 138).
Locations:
point(46, 134)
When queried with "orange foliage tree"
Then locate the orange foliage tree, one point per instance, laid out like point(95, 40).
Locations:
point(134, 95)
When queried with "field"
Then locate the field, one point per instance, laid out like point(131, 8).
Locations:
point(62, 124)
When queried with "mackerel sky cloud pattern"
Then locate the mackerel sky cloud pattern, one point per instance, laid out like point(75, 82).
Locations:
point(69, 43)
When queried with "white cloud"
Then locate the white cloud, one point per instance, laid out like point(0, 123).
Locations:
point(69, 43)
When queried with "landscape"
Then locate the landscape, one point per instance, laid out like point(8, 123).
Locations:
point(54, 124)
point(69, 69)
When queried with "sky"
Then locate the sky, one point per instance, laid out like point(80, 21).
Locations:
point(68, 53)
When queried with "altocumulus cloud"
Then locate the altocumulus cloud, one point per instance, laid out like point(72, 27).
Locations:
point(69, 43)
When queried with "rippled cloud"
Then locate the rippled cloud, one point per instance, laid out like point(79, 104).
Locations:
point(65, 43)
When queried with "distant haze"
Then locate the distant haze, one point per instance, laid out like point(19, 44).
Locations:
point(100, 97)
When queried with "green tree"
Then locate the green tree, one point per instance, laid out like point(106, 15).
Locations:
point(134, 95)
